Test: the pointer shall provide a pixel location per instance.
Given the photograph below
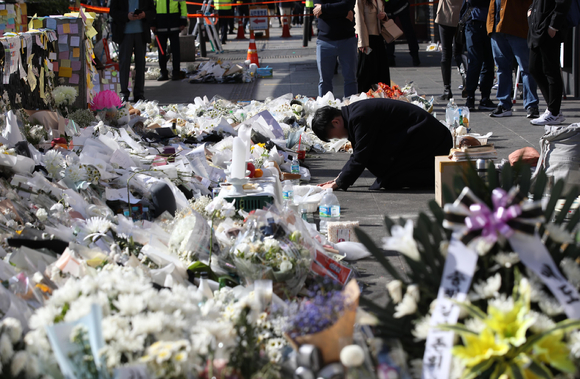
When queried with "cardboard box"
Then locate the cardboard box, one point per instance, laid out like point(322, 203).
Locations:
point(445, 171)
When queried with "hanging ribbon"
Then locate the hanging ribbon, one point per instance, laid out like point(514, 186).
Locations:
point(476, 225)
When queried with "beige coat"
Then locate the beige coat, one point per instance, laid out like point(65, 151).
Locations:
point(367, 20)
point(448, 12)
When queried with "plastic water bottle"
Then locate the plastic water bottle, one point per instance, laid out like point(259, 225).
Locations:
point(295, 166)
point(451, 112)
point(329, 210)
point(288, 192)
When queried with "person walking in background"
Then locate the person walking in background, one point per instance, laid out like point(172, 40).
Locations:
point(547, 29)
point(336, 39)
point(286, 11)
point(400, 9)
point(447, 19)
point(479, 56)
point(171, 19)
point(130, 28)
point(508, 28)
point(372, 58)
point(244, 10)
point(223, 12)
point(298, 11)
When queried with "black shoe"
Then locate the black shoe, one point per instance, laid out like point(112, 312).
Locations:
point(125, 99)
point(163, 78)
point(447, 95)
point(470, 103)
point(416, 60)
point(487, 105)
point(501, 112)
point(224, 42)
point(533, 112)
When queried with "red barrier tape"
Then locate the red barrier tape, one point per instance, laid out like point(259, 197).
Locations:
point(216, 16)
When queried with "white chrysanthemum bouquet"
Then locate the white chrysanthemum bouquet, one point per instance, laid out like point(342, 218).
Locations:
point(64, 97)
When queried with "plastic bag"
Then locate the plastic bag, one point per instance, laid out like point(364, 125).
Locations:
point(273, 246)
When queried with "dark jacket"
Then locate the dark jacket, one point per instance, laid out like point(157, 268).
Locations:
point(170, 15)
point(477, 8)
point(119, 12)
point(394, 7)
point(391, 138)
point(546, 13)
point(513, 19)
point(332, 23)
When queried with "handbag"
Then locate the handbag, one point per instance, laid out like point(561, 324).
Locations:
point(390, 31)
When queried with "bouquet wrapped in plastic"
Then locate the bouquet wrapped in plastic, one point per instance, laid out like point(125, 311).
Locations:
point(273, 246)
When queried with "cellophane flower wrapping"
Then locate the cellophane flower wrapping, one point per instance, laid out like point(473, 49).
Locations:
point(273, 245)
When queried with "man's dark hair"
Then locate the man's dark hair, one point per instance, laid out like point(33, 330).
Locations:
point(322, 121)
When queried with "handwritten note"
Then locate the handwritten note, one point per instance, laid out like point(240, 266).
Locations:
point(65, 72)
point(63, 55)
point(63, 38)
point(65, 63)
point(74, 79)
point(76, 52)
point(76, 65)
point(75, 41)
point(66, 28)
point(74, 28)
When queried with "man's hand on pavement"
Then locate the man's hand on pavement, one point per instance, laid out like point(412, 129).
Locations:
point(331, 184)
point(317, 10)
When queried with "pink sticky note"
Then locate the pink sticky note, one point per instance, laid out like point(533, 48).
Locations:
point(76, 65)
point(60, 29)
point(63, 55)
point(74, 28)
point(74, 79)
point(55, 66)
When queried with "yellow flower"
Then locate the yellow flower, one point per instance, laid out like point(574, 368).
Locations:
point(181, 357)
point(163, 355)
point(553, 351)
point(512, 325)
point(478, 348)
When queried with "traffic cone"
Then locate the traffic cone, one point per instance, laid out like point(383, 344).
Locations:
point(252, 50)
point(240, 28)
point(285, 28)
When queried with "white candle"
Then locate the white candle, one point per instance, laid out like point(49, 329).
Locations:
point(238, 167)
point(245, 134)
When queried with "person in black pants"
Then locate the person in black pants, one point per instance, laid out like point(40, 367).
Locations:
point(400, 9)
point(131, 32)
point(396, 141)
point(480, 67)
point(447, 19)
point(547, 29)
point(170, 21)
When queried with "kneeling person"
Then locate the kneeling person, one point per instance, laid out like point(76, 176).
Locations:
point(394, 140)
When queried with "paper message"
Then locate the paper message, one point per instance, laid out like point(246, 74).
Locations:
point(65, 72)
point(76, 65)
point(75, 41)
point(74, 79)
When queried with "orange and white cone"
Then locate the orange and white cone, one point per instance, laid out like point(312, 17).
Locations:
point(252, 50)
point(240, 27)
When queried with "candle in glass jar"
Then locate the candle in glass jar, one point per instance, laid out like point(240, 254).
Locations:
point(238, 167)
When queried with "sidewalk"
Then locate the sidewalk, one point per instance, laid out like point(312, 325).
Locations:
point(295, 71)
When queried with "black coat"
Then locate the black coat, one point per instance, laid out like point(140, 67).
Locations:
point(392, 139)
point(119, 12)
point(546, 13)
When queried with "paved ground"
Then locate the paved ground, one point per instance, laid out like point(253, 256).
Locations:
point(295, 72)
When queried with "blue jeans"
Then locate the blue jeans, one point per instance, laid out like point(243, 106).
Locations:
point(480, 59)
point(346, 52)
point(505, 47)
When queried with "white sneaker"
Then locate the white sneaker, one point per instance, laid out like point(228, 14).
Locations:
point(548, 119)
point(561, 118)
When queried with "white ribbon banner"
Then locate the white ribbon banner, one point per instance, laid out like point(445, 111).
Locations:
point(457, 274)
point(537, 258)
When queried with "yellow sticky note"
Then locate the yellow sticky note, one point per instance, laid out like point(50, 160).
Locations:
point(41, 84)
point(65, 72)
point(66, 28)
point(76, 52)
point(91, 32)
point(37, 23)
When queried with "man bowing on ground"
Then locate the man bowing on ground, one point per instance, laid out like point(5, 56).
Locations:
point(396, 141)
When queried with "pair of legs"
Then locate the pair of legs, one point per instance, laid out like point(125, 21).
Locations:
point(132, 43)
point(480, 61)
point(545, 68)
point(326, 54)
point(373, 68)
point(224, 23)
point(449, 48)
point(506, 48)
point(173, 38)
point(404, 17)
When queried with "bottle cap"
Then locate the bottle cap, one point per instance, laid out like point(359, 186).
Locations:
point(203, 275)
point(480, 164)
point(329, 190)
